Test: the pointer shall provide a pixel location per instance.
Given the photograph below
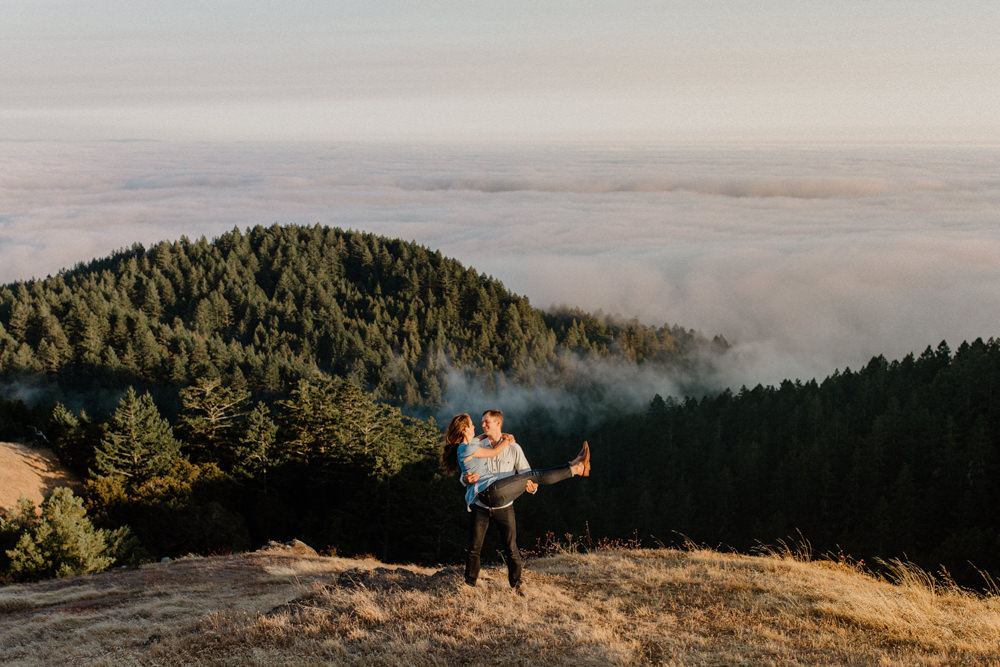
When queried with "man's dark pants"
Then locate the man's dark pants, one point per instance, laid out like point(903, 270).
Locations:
point(503, 519)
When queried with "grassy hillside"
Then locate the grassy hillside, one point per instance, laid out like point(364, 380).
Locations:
point(29, 471)
point(288, 605)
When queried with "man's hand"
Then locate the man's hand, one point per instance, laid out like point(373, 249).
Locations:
point(471, 478)
point(530, 486)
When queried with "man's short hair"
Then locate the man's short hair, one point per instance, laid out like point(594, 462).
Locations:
point(496, 414)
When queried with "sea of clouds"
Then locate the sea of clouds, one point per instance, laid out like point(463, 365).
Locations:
point(806, 260)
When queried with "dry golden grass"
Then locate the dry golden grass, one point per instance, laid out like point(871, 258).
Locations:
point(284, 606)
point(29, 471)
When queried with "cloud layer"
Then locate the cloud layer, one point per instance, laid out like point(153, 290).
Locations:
point(805, 260)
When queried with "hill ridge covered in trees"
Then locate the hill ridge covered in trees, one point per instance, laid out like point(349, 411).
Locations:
point(264, 308)
point(247, 389)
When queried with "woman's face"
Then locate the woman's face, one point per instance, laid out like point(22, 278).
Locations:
point(469, 432)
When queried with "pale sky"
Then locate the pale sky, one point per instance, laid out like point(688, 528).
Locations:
point(319, 70)
point(734, 166)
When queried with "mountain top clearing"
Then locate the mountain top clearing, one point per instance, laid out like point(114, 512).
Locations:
point(286, 604)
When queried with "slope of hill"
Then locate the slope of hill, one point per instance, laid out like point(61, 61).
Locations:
point(29, 471)
point(267, 307)
point(288, 605)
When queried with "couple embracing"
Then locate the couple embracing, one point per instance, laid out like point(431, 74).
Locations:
point(495, 473)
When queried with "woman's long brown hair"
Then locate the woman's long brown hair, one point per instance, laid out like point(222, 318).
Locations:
point(453, 437)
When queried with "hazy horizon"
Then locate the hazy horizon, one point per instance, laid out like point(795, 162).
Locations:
point(807, 260)
point(441, 70)
point(814, 181)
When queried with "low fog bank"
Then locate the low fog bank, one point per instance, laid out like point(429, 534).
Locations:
point(575, 393)
point(805, 260)
point(803, 311)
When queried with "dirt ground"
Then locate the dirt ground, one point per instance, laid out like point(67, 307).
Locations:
point(29, 471)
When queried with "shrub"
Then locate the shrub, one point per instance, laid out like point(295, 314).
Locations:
point(60, 541)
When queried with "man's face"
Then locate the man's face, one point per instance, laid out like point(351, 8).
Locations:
point(491, 426)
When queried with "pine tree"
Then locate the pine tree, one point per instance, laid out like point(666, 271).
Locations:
point(256, 452)
point(310, 420)
point(60, 542)
point(211, 414)
point(137, 442)
point(71, 437)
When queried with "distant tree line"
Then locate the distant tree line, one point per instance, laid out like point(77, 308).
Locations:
point(897, 459)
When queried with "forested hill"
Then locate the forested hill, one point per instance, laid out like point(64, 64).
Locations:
point(256, 347)
point(264, 308)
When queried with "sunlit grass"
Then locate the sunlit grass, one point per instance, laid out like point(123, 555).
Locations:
point(31, 472)
point(611, 605)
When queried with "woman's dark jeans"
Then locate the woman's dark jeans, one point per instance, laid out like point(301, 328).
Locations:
point(509, 489)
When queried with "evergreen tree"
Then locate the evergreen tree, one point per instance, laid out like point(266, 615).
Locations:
point(59, 542)
point(310, 421)
point(210, 419)
point(256, 452)
point(72, 437)
point(137, 443)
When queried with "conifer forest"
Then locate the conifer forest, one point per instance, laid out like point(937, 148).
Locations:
point(293, 382)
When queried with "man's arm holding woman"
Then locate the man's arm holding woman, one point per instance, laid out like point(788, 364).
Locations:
point(520, 465)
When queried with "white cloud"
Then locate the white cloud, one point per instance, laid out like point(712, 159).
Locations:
point(806, 260)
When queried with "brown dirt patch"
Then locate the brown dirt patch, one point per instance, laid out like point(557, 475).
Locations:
point(31, 472)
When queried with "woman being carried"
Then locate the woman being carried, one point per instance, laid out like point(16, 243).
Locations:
point(462, 453)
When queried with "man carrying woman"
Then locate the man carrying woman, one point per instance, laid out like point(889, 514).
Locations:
point(496, 473)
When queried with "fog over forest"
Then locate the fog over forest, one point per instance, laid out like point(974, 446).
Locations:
point(805, 259)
